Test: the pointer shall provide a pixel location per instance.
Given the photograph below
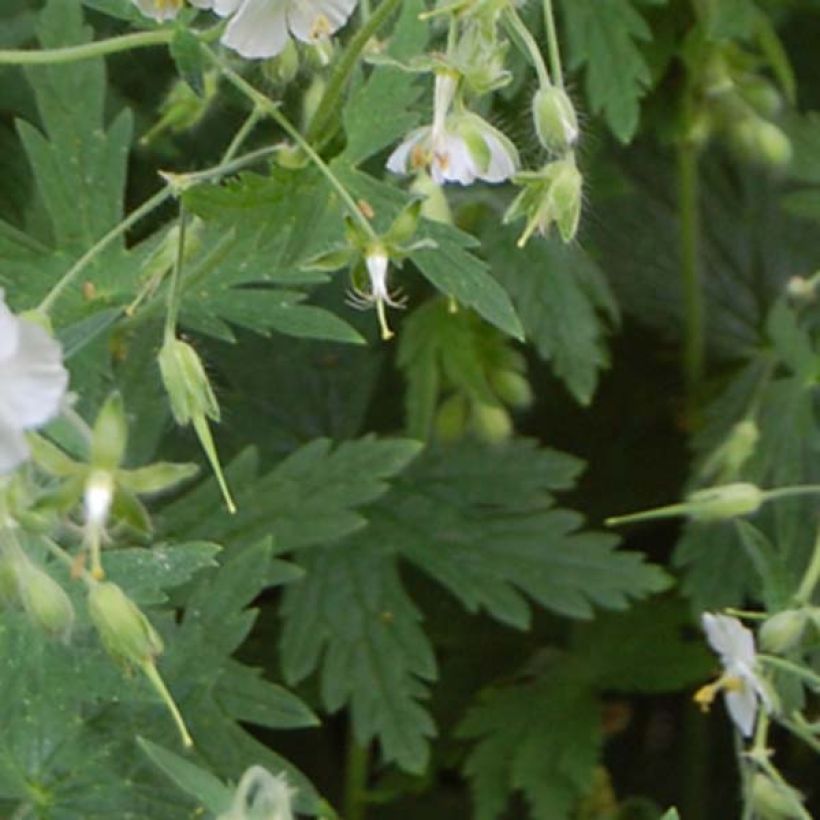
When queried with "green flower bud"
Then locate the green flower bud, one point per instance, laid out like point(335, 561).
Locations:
point(762, 95)
point(726, 501)
point(512, 388)
point(783, 631)
point(261, 796)
point(565, 198)
point(186, 383)
point(775, 801)
point(125, 632)
point(451, 418)
point(110, 435)
point(311, 99)
point(491, 423)
point(762, 141)
point(44, 600)
point(556, 122)
point(183, 108)
point(283, 68)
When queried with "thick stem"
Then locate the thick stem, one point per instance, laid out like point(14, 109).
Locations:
point(527, 42)
point(694, 340)
point(552, 44)
point(355, 805)
point(329, 104)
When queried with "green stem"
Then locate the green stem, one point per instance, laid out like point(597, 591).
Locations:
point(241, 135)
point(329, 105)
point(812, 679)
point(135, 216)
point(811, 575)
point(355, 805)
point(791, 492)
point(694, 341)
point(552, 44)
point(87, 51)
point(162, 690)
point(522, 34)
point(271, 109)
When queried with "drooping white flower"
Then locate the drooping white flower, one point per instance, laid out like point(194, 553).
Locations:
point(377, 293)
point(458, 147)
point(160, 10)
point(741, 686)
point(32, 383)
point(261, 28)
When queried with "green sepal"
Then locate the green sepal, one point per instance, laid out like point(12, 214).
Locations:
point(109, 437)
point(128, 509)
point(51, 459)
point(156, 477)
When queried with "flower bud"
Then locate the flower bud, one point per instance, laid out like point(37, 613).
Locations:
point(125, 632)
point(312, 98)
point(183, 108)
point(556, 122)
point(512, 388)
point(783, 631)
point(451, 418)
point(726, 501)
point(434, 206)
point(284, 67)
point(762, 141)
point(762, 95)
point(491, 423)
point(186, 382)
point(110, 435)
point(44, 600)
point(775, 801)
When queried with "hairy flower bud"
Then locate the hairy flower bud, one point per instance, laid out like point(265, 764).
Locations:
point(451, 418)
point(261, 796)
point(556, 122)
point(512, 388)
point(762, 141)
point(783, 630)
point(125, 632)
point(44, 600)
point(491, 423)
point(726, 501)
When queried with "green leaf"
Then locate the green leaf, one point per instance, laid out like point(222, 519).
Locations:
point(603, 37)
point(308, 499)
point(352, 616)
point(481, 521)
point(206, 789)
point(541, 738)
point(730, 19)
point(564, 303)
point(642, 650)
point(187, 55)
point(379, 112)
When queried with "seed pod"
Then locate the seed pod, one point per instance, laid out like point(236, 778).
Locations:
point(512, 388)
point(726, 501)
point(491, 423)
point(186, 382)
point(783, 630)
point(451, 418)
point(125, 632)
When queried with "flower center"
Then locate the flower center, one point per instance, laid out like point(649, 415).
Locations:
point(706, 695)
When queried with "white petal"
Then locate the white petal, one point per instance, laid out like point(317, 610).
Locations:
point(34, 379)
point(730, 639)
point(742, 707)
point(225, 7)
point(453, 160)
point(377, 271)
point(13, 447)
point(9, 331)
point(311, 20)
point(503, 157)
point(399, 161)
point(258, 29)
point(443, 94)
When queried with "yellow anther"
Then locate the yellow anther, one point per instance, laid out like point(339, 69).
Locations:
point(705, 696)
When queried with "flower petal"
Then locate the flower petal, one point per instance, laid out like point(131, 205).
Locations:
point(258, 29)
point(742, 707)
point(730, 639)
point(34, 379)
point(311, 20)
point(13, 446)
point(399, 161)
point(9, 330)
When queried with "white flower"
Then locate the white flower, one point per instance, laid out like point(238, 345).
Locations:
point(261, 28)
point(261, 795)
point(741, 686)
point(458, 147)
point(160, 10)
point(378, 294)
point(32, 383)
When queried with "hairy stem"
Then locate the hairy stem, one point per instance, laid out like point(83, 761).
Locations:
point(525, 40)
point(552, 44)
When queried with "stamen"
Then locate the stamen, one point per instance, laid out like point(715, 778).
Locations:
point(705, 696)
